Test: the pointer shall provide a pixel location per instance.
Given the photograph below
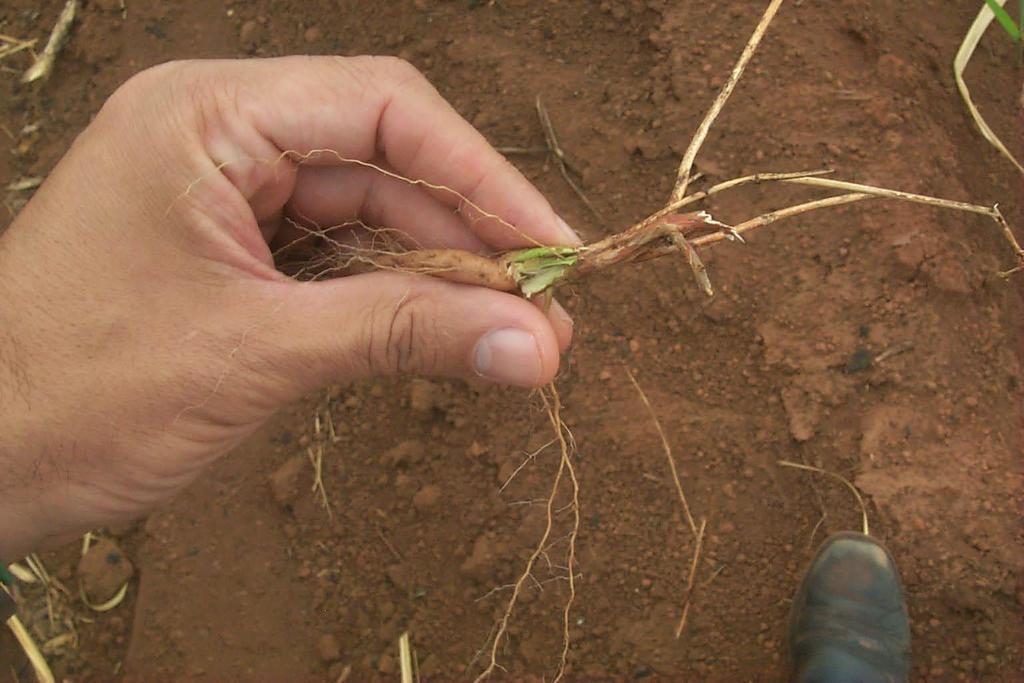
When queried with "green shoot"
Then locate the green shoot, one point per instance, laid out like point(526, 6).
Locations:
point(539, 268)
point(1004, 19)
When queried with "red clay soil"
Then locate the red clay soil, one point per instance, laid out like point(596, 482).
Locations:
point(230, 583)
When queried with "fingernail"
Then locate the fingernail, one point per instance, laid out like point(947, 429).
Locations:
point(508, 356)
point(569, 235)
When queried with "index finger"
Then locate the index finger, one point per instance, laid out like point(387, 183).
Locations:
point(366, 108)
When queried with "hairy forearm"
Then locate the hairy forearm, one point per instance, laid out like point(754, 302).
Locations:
point(14, 405)
point(27, 467)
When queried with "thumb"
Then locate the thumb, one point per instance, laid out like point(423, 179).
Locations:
point(392, 323)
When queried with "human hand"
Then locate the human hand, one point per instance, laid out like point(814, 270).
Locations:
point(143, 328)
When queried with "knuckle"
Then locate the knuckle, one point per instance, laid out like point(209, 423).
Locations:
point(175, 92)
point(389, 75)
point(372, 73)
point(398, 68)
point(149, 82)
point(400, 337)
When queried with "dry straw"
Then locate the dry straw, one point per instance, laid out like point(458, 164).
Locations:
point(963, 56)
point(43, 65)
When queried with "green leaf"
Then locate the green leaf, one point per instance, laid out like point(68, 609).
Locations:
point(1004, 18)
point(538, 264)
point(538, 283)
point(542, 252)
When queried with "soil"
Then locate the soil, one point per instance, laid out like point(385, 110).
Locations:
point(246, 575)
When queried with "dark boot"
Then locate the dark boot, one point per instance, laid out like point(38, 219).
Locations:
point(849, 622)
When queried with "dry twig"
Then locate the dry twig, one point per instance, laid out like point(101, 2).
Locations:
point(563, 164)
point(38, 661)
point(683, 176)
point(43, 66)
point(9, 45)
point(405, 658)
point(963, 56)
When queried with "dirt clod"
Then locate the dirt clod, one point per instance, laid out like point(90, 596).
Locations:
point(103, 570)
point(400, 576)
point(425, 397)
point(386, 664)
point(480, 563)
point(405, 453)
point(312, 34)
point(286, 482)
point(427, 498)
point(328, 648)
point(249, 34)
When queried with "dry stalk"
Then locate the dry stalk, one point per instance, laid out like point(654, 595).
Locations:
point(9, 45)
point(662, 233)
point(665, 231)
point(104, 606)
point(405, 659)
point(316, 459)
point(963, 56)
point(46, 612)
point(683, 176)
point(673, 207)
point(43, 66)
point(771, 217)
point(28, 645)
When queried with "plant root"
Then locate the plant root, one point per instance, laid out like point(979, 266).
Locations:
point(698, 546)
point(566, 470)
point(865, 529)
point(668, 453)
point(554, 407)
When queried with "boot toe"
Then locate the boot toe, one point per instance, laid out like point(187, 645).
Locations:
point(849, 619)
